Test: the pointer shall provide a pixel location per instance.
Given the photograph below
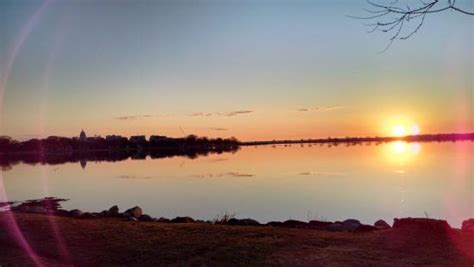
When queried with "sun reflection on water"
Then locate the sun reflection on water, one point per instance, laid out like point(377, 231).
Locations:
point(401, 152)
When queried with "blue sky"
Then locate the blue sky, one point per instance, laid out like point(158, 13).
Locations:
point(170, 67)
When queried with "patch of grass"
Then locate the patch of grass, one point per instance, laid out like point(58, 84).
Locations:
point(223, 218)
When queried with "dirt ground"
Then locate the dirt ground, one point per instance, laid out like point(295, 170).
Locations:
point(50, 241)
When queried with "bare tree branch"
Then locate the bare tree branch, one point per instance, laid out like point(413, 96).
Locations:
point(402, 22)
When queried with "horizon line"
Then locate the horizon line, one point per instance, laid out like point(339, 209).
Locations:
point(329, 138)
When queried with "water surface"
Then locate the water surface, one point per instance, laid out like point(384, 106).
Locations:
point(367, 182)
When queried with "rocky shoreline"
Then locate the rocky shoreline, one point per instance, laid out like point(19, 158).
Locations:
point(51, 207)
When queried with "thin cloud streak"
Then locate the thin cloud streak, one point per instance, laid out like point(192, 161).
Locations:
point(133, 117)
point(322, 108)
point(329, 174)
point(224, 114)
point(141, 116)
point(219, 175)
point(134, 177)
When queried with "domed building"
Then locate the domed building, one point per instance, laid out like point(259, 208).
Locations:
point(82, 136)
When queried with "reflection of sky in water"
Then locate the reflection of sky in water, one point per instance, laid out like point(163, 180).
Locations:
point(368, 182)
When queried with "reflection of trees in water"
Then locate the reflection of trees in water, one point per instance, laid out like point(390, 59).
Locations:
point(60, 150)
point(7, 161)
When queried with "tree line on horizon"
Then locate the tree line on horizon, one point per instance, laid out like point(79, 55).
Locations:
point(114, 142)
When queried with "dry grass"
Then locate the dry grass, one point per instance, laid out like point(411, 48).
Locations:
point(112, 242)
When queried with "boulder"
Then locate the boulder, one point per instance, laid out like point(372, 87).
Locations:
point(113, 211)
point(381, 224)
point(337, 226)
point(135, 212)
point(61, 212)
point(145, 218)
point(182, 220)
point(234, 221)
point(351, 224)
point(75, 213)
point(22, 208)
point(468, 225)
point(38, 209)
point(87, 215)
point(274, 224)
point(319, 224)
point(422, 224)
point(365, 228)
point(294, 224)
point(132, 219)
point(163, 220)
point(104, 213)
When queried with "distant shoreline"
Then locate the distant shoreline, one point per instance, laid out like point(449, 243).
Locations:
point(59, 150)
point(451, 137)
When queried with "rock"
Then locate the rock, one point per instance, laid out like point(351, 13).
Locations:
point(61, 212)
point(294, 224)
point(123, 215)
point(87, 215)
point(145, 218)
point(422, 224)
point(366, 228)
point(350, 224)
point(182, 220)
point(104, 213)
point(468, 225)
point(22, 208)
point(274, 224)
point(381, 224)
point(234, 221)
point(135, 212)
point(163, 220)
point(75, 213)
point(319, 224)
point(113, 211)
point(38, 209)
point(337, 226)
point(132, 219)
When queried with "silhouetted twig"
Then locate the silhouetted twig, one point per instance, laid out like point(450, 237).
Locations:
point(394, 18)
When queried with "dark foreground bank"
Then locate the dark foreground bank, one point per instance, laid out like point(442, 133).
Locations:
point(48, 240)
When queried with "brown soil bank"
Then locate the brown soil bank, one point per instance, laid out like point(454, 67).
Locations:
point(110, 242)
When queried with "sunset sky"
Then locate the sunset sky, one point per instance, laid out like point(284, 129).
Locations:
point(249, 69)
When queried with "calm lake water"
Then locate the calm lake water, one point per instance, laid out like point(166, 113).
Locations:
point(367, 182)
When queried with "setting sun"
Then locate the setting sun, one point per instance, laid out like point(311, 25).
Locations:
point(400, 126)
point(399, 130)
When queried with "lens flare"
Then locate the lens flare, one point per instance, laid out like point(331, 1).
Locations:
point(415, 129)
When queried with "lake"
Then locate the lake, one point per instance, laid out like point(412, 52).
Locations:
point(367, 182)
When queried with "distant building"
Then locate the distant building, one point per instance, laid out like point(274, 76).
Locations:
point(82, 136)
point(138, 139)
point(157, 138)
point(114, 138)
point(94, 139)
